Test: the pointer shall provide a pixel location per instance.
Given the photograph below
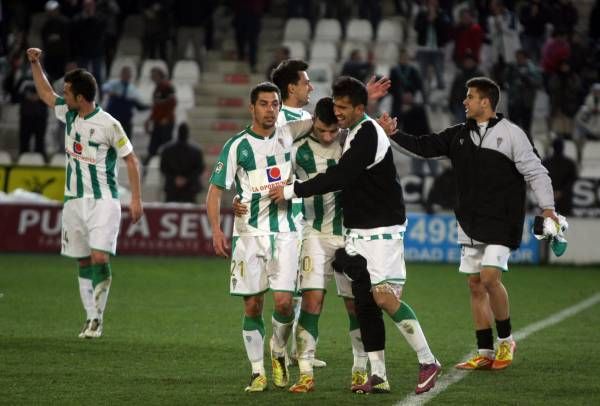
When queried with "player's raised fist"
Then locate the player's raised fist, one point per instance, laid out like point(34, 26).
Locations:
point(33, 54)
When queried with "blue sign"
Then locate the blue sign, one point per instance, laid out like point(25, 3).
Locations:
point(433, 238)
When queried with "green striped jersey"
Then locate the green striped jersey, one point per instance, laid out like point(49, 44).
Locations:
point(287, 114)
point(322, 213)
point(92, 145)
point(255, 164)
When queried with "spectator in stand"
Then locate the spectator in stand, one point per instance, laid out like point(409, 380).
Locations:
point(563, 172)
point(161, 122)
point(109, 11)
point(357, 67)
point(556, 49)
point(564, 89)
point(157, 28)
point(468, 38)
point(88, 35)
point(413, 120)
point(70, 8)
point(469, 69)
point(594, 27)
point(404, 77)
point(194, 23)
point(587, 120)
point(246, 22)
point(534, 16)
point(182, 164)
point(281, 54)
point(33, 117)
point(523, 79)
point(564, 15)
point(123, 98)
point(503, 31)
point(370, 10)
point(432, 26)
point(55, 40)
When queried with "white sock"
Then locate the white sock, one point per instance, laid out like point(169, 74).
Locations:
point(486, 353)
point(412, 332)
point(377, 360)
point(254, 343)
point(101, 297)
point(306, 347)
point(358, 351)
point(293, 351)
point(509, 339)
point(281, 333)
point(86, 291)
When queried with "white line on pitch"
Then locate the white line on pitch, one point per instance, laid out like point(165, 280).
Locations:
point(457, 375)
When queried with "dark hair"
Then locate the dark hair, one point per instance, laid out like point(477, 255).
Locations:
point(287, 73)
point(82, 83)
point(353, 88)
point(266, 87)
point(487, 88)
point(324, 111)
point(183, 132)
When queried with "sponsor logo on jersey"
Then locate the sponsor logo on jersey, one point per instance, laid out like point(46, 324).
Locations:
point(273, 174)
point(77, 147)
point(218, 167)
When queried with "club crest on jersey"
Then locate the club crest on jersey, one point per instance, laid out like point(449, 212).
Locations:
point(77, 147)
point(498, 142)
point(273, 174)
point(91, 132)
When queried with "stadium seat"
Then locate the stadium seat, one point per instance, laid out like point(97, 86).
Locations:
point(186, 72)
point(590, 171)
point(591, 152)
point(383, 69)
point(57, 159)
point(119, 63)
point(153, 180)
point(146, 90)
point(323, 52)
point(149, 64)
point(386, 52)
point(31, 159)
point(5, 158)
point(328, 29)
point(320, 72)
point(130, 46)
point(389, 31)
point(185, 96)
point(297, 49)
point(297, 29)
point(540, 147)
point(359, 30)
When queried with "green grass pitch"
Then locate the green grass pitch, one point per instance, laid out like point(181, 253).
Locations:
point(172, 336)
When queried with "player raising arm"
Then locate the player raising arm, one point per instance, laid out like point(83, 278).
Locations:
point(92, 212)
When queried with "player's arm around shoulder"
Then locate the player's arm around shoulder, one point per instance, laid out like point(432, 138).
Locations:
point(42, 86)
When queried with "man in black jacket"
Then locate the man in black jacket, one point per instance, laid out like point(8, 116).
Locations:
point(493, 160)
point(375, 222)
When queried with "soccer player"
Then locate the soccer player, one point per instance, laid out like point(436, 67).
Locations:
point(264, 252)
point(92, 212)
point(493, 160)
point(292, 79)
point(322, 235)
point(375, 221)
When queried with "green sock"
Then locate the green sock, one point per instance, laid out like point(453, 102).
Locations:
point(100, 273)
point(404, 312)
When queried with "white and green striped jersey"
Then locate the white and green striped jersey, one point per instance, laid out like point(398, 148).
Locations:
point(92, 145)
point(256, 164)
point(287, 114)
point(322, 213)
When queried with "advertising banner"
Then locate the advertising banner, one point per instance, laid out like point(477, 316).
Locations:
point(45, 180)
point(433, 238)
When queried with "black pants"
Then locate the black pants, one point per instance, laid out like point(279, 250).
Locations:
point(35, 127)
point(161, 134)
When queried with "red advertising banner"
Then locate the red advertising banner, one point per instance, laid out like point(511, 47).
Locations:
point(164, 230)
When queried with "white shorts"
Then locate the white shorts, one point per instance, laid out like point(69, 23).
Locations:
point(385, 258)
point(259, 263)
point(315, 266)
point(90, 224)
point(474, 257)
